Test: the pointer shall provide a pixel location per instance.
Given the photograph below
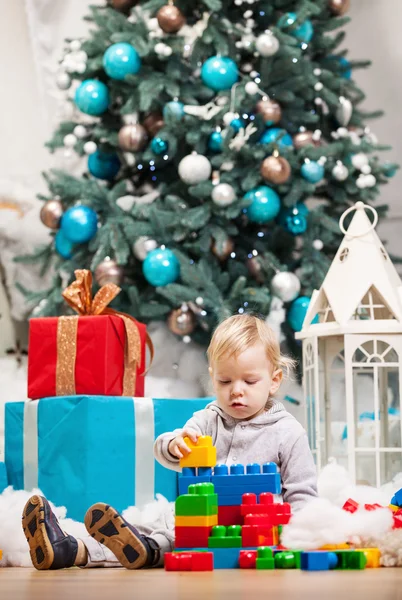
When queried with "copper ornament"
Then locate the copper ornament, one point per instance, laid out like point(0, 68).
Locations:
point(170, 18)
point(153, 123)
point(304, 138)
point(255, 269)
point(275, 169)
point(108, 271)
point(123, 6)
point(132, 137)
point(270, 111)
point(339, 7)
point(223, 252)
point(181, 322)
point(51, 213)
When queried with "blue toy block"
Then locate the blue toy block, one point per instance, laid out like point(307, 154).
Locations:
point(223, 475)
point(318, 561)
point(230, 500)
point(184, 482)
point(396, 498)
point(224, 558)
point(271, 483)
point(204, 472)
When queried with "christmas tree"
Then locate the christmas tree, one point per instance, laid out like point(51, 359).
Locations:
point(223, 140)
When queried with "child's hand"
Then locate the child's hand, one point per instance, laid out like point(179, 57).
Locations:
point(177, 447)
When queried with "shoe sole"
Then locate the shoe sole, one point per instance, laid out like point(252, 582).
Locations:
point(108, 527)
point(33, 524)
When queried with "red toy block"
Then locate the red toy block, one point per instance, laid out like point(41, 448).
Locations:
point(350, 505)
point(192, 537)
point(247, 559)
point(397, 521)
point(251, 499)
point(279, 514)
point(371, 507)
point(229, 515)
point(189, 561)
point(258, 535)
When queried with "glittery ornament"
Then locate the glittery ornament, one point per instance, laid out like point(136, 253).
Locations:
point(339, 7)
point(181, 322)
point(123, 6)
point(132, 137)
point(108, 271)
point(223, 194)
point(194, 168)
point(304, 138)
point(224, 250)
point(270, 111)
point(275, 169)
point(170, 19)
point(51, 213)
point(285, 286)
point(153, 123)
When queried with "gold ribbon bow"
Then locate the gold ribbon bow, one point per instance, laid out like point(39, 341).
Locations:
point(78, 295)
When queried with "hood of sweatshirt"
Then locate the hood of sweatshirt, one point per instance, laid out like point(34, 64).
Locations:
point(272, 415)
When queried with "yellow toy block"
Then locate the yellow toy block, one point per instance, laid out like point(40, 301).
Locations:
point(332, 547)
point(393, 507)
point(203, 453)
point(373, 557)
point(203, 521)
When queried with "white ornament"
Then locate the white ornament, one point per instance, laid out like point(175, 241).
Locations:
point(359, 160)
point(63, 80)
point(186, 339)
point(75, 45)
point(242, 137)
point(247, 68)
point(254, 74)
point(143, 246)
point(361, 181)
point(159, 47)
point(80, 67)
point(318, 86)
point(90, 147)
point(366, 169)
point(344, 111)
point(167, 51)
point(340, 172)
point(199, 301)
point(223, 194)
point(285, 286)
point(248, 14)
point(251, 88)
point(69, 140)
point(126, 202)
point(267, 44)
point(318, 245)
point(194, 168)
point(342, 132)
point(80, 131)
point(229, 117)
point(81, 56)
point(370, 180)
point(317, 72)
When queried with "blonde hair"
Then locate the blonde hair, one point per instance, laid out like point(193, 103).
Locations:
point(237, 333)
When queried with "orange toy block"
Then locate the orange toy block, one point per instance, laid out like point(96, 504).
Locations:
point(372, 555)
point(203, 453)
point(202, 521)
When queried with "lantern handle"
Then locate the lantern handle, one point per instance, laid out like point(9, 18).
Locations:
point(359, 206)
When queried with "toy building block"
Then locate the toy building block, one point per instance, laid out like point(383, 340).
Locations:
point(193, 521)
point(276, 513)
point(350, 506)
point(229, 515)
point(226, 558)
point(190, 537)
point(190, 476)
point(247, 559)
point(331, 547)
point(372, 555)
point(203, 453)
point(189, 561)
point(318, 561)
point(269, 486)
point(265, 559)
point(397, 498)
point(200, 501)
point(235, 477)
point(258, 534)
point(397, 518)
point(225, 537)
point(289, 559)
point(350, 559)
point(393, 507)
point(371, 507)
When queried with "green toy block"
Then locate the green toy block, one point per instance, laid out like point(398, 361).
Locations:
point(288, 560)
point(225, 537)
point(200, 501)
point(265, 558)
point(350, 559)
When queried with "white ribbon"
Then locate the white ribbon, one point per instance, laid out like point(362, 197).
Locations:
point(144, 468)
point(31, 445)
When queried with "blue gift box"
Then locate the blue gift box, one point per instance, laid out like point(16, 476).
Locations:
point(84, 449)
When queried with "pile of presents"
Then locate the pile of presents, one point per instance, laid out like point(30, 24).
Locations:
point(228, 519)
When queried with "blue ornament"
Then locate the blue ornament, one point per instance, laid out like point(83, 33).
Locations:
point(344, 65)
point(265, 204)
point(120, 60)
point(92, 97)
point(294, 219)
point(219, 73)
point(303, 32)
point(174, 110)
point(237, 124)
point(103, 165)
point(161, 267)
point(63, 246)
point(389, 169)
point(159, 146)
point(79, 224)
point(297, 313)
point(273, 134)
point(313, 171)
point(215, 142)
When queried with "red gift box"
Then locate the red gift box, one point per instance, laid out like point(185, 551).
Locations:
point(101, 353)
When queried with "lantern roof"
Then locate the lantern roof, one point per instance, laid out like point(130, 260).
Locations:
point(362, 291)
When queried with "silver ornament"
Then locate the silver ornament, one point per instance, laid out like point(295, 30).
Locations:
point(285, 286)
point(90, 147)
point(340, 172)
point(63, 81)
point(194, 168)
point(223, 194)
point(143, 246)
point(344, 111)
point(267, 44)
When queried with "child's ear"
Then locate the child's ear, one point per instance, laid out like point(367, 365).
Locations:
point(210, 371)
point(276, 381)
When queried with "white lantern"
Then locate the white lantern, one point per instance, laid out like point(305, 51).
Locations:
point(352, 357)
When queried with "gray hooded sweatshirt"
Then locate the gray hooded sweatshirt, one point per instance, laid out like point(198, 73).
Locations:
point(273, 436)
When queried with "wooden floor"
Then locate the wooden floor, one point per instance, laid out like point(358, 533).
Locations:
point(119, 584)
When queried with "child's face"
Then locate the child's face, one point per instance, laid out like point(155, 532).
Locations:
point(244, 383)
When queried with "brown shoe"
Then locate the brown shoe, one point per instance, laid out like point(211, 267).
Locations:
point(49, 546)
point(130, 547)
